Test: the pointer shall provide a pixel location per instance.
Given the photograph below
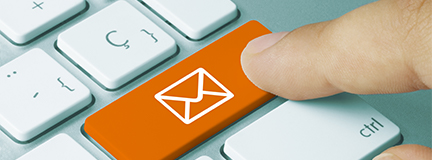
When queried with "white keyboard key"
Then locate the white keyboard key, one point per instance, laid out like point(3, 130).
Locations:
point(35, 93)
point(116, 44)
point(195, 18)
point(338, 127)
point(24, 20)
point(59, 147)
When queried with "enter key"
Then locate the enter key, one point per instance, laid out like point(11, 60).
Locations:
point(183, 106)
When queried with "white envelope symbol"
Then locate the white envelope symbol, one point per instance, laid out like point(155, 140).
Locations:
point(201, 92)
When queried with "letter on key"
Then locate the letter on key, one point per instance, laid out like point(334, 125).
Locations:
point(183, 106)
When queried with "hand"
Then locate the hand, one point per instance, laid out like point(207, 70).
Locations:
point(382, 47)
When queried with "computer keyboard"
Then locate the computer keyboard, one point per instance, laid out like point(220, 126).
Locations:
point(64, 64)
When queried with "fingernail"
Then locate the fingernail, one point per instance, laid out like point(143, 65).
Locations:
point(261, 43)
point(386, 156)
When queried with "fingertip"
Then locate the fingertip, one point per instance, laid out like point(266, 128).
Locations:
point(405, 152)
point(259, 44)
point(386, 156)
point(273, 64)
point(255, 47)
point(251, 62)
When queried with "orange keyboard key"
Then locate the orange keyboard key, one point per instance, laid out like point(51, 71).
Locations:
point(183, 106)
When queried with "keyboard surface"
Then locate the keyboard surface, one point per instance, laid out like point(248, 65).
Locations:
point(410, 111)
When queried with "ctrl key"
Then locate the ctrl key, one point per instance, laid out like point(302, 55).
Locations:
point(337, 127)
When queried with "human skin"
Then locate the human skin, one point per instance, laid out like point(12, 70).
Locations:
point(383, 47)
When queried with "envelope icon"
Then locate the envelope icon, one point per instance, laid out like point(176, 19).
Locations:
point(194, 95)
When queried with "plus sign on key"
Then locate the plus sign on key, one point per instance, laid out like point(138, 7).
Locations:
point(23, 21)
